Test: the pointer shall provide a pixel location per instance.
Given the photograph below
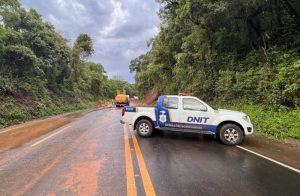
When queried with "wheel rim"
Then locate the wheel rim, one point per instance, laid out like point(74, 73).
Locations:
point(144, 128)
point(231, 135)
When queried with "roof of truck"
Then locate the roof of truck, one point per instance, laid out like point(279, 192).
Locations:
point(179, 96)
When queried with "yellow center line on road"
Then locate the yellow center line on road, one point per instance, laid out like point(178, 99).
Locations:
point(131, 187)
point(148, 186)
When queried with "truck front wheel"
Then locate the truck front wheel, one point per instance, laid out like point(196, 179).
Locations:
point(231, 134)
point(144, 128)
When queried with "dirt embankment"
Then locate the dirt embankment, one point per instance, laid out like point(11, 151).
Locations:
point(149, 100)
point(17, 135)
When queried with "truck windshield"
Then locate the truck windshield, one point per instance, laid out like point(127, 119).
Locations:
point(193, 104)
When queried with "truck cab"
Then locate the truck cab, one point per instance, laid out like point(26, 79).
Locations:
point(189, 114)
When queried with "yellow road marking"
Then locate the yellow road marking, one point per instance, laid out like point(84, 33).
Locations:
point(131, 187)
point(148, 186)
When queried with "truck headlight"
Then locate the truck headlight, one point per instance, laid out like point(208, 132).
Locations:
point(246, 118)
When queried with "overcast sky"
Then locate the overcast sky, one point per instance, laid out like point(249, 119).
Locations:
point(119, 28)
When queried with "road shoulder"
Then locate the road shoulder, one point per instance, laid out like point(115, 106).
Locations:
point(286, 153)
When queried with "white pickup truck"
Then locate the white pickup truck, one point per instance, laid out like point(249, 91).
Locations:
point(188, 114)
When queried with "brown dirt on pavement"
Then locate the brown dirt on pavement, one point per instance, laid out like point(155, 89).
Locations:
point(15, 136)
point(286, 153)
point(83, 176)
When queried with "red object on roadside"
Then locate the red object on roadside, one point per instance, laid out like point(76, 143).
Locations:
point(99, 104)
point(184, 94)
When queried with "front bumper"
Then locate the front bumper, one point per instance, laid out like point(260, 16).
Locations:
point(248, 129)
point(122, 104)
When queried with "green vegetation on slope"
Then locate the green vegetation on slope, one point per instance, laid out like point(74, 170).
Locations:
point(228, 50)
point(40, 73)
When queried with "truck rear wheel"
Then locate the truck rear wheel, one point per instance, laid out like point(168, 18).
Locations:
point(231, 134)
point(144, 128)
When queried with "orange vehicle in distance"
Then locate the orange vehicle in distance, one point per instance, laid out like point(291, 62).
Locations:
point(122, 99)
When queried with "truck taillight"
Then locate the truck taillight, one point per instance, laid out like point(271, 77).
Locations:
point(123, 111)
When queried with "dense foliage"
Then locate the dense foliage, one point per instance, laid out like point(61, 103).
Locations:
point(41, 73)
point(226, 50)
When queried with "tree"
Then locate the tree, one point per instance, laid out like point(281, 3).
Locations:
point(9, 12)
point(85, 45)
point(40, 74)
point(206, 44)
point(135, 64)
point(82, 48)
point(19, 61)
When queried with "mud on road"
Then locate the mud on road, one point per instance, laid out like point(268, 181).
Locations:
point(18, 135)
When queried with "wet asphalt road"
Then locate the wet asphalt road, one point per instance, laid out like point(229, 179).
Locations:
point(92, 156)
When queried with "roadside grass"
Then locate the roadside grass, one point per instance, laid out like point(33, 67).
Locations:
point(275, 125)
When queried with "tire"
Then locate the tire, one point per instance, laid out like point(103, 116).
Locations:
point(231, 134)
point(144, 128)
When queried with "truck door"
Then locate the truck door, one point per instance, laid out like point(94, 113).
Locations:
point(167, 112)
point(195, 115)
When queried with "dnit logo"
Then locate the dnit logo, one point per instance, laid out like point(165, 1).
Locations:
point(197, 119)
point(163, 117)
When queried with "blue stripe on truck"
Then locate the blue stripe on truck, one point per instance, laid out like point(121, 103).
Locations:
point(130, 109)
point(200, 127)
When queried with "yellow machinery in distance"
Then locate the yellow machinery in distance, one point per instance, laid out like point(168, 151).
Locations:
point(122, 99)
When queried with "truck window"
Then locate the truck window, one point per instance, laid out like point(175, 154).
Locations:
point(193, 104)
point(171, 102)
